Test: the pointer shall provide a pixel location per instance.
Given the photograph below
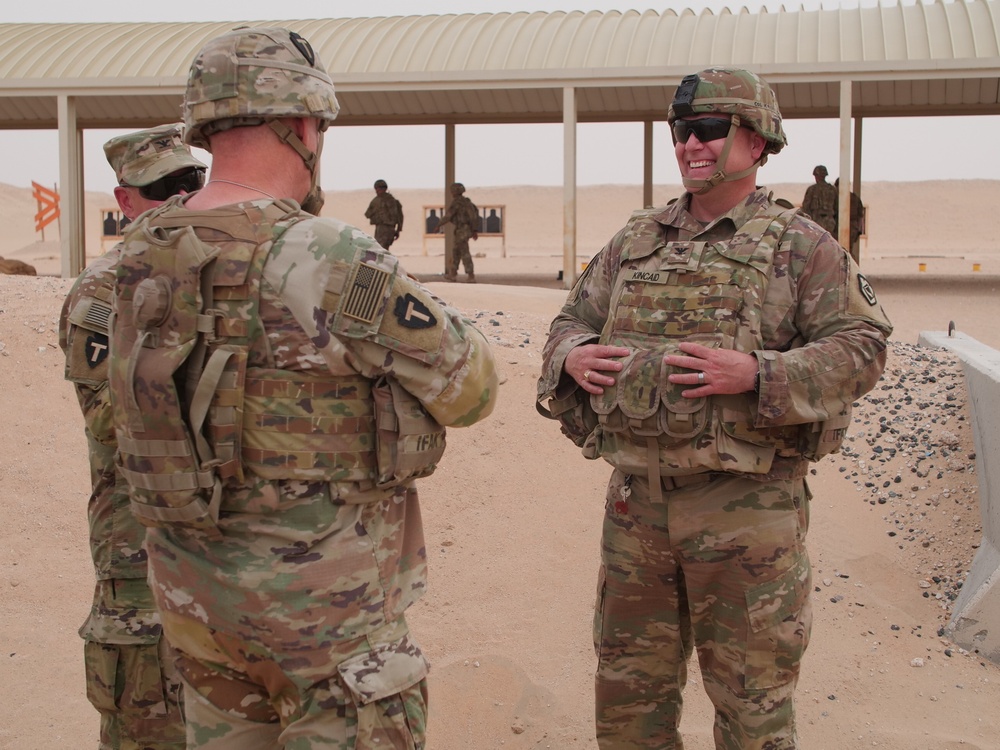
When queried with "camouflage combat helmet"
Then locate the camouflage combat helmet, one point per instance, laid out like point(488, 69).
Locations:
point(820, 169)
point(457, 188)
point(381, 184)
point(255, 75)
point(746, 98)
point(732, 92)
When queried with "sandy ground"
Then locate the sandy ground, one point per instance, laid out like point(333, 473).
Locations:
point(513, 522)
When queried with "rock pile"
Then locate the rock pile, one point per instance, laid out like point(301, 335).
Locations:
point(911, 453)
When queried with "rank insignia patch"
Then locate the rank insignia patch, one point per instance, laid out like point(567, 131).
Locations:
point(96, 349)
point(866, 290)
point(365, 293)
point(412, 313)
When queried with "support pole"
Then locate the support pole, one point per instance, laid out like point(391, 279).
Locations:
point(449, 178)
point(844, 197)
point(569, 187)
point(647, 164)
point(73, 248)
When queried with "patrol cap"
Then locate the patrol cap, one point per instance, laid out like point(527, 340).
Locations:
point(731, 91)
point(820, 169)
point(381, 184)
point(254, 75)
point(143, 157)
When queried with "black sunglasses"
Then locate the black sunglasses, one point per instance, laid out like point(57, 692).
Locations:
point(705, 130)
point(172, 184)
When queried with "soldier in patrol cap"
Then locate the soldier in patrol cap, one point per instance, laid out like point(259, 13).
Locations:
point(280, 382)
point(131, 678)
point(709, 353)
point(386, 213)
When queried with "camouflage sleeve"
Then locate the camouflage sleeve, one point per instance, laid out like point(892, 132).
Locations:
point(364, 312)
point(842, 331)
point(83, 338)
point(370, 211)
point(581, 319)
point(399, 213)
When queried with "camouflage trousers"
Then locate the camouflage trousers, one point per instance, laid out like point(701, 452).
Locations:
point(131, 677)
point(365, 694)
point(460, 254)
point(719, 567)
point(385, 234)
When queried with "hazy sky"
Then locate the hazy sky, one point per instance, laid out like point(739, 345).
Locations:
point(902, 149)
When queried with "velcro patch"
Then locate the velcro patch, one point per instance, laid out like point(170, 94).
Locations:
point(365, 293)
point(412, 313)
point(92, 314)
point(866, 290)
point(648, 277)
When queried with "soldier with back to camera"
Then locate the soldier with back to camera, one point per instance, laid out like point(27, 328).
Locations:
point(820, 201)
point(386, 213)
point(710, 352)
point(464, 215)
point(131, 679)
point(279, 383)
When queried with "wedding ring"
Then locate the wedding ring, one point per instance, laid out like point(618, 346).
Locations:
point(701, 378)
point(586, 375)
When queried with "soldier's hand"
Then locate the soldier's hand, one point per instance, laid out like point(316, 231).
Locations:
point(712, 370)
point(589, 364)
point(475, 235)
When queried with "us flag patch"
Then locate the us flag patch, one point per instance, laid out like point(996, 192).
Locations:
point(365, 293)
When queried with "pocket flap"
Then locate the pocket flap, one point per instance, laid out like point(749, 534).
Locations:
point(386, 670)
point(774, 601)
point(641, 384)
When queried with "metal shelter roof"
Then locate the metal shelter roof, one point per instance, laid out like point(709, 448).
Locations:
point(934, 58)
point(920, 59)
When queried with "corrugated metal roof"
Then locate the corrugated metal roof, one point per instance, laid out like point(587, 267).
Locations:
point(934, 58)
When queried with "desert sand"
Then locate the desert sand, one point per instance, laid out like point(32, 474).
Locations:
point(513, 514)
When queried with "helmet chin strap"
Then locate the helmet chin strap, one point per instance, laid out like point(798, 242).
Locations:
point(314, 199)
point(700, 187)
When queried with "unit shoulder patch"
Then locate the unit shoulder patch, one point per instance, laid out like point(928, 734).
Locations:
point(412, 313)
point(866, 290)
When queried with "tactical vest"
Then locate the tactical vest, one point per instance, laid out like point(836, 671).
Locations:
point(706, 293)
point(198, 399)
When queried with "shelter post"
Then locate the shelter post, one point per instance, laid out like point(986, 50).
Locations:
point(569, 187)
point(449, 180)
point(72, 239)
point(844, 197)
point(647, 164)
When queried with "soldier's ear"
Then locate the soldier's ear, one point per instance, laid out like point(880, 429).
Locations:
point(124, 198)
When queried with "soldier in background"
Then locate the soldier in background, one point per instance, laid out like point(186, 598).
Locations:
point(820, 202)
point(857, 222)
point(386, 213)
point(279, 383)
point(464, 215)
point(709, 352)
point(131, 678)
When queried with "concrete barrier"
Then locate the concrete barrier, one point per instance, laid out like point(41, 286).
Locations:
point(975, 621)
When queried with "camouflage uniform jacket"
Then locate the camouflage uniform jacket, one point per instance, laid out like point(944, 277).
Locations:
point(822, 330)
point(385, 209)
point(464, 215)
point(116, 538)
point(303, 563)
point(820, 203)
